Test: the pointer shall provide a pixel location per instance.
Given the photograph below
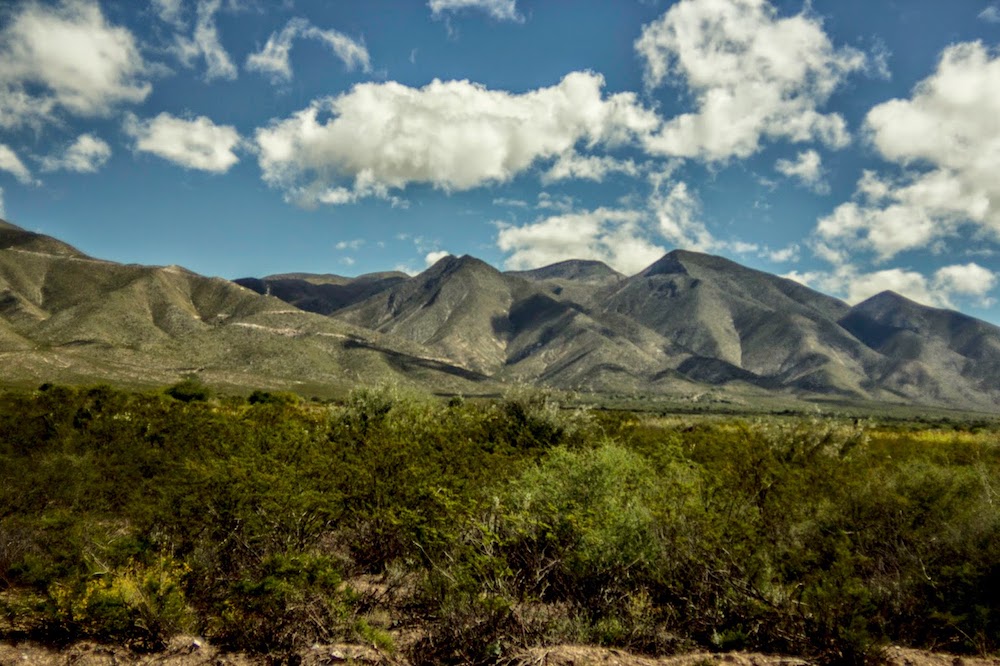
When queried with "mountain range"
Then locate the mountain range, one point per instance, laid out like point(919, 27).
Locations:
point(687, 325)
point(65, 316)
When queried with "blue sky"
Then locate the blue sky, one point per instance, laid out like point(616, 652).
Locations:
point(851, 145)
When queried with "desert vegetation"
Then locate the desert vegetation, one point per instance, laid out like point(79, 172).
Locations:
point(463, 531)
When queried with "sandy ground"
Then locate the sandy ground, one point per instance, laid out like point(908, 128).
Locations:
point(189, 651)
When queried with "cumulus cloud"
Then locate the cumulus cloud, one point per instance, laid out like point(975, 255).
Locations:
point(273, 57)
point(807, 168)
point(587, 167)
point(939, 290)
point(501, 10)
point(12, 164)
point(751, 74)
point(454, 135)
point(433, 257)
point(204, 44)
point(911, 284)
point(196, 143)
point(616, 237)
point(628, 238)
point(946, 137)
point(66, 57)
point(85, 155)
point(967, 279)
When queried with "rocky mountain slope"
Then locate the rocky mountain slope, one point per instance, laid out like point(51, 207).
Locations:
point(65, 316)
point(688, 323)
point(322, 294)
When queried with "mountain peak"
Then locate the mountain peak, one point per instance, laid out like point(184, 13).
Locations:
point(581, 270)
point(889, 301)
point(451, 264)
point(668, 264)
point(679, 261)
point(888, 306)
point(886, 296)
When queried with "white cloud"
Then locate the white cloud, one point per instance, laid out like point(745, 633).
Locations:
point(947, 116)
point(587, 167)
point(335, 196)
point(513, 203)
point(170, 11)
point(273, 58)
point(12, 164)
point(780, 256)
point(501, 10)
point(969, 279)
point(351, 244)
point(742, 247)
point(563, 203)
point(66, 56)
point(204, 44)
point(454, 135)
point(911, 284)
point(961, 280)
point(351, 52)
point(947, 138)
point(436, 256)
point(807, 168)
point(85, 155)
point(991, 14)
point(615, 237)
point(3, 208)
point(750, 73)
point(628, 238)
point(193, 144)
point(678, 220)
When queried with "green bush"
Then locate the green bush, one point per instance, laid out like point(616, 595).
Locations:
point(191, 389)
point(143, 605)
point(291, 600)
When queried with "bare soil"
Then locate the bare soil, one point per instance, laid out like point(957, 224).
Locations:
point(191, 651)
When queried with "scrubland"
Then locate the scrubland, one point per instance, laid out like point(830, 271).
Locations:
point(474, 531)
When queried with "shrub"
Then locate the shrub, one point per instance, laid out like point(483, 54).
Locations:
point(191, 389)
point(294, 599)
point(144, 605)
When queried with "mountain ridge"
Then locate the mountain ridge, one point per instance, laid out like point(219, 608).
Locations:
point(67, 316)
point(687, 324)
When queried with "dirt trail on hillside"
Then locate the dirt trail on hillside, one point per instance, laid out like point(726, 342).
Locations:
point(189, 651)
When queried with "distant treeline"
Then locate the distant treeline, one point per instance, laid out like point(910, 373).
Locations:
point(465, 531)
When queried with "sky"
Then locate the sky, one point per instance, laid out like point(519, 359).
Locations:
point(851, 145)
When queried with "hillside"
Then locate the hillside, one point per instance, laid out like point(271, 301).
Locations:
point(688, 324)
point(67, 317)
